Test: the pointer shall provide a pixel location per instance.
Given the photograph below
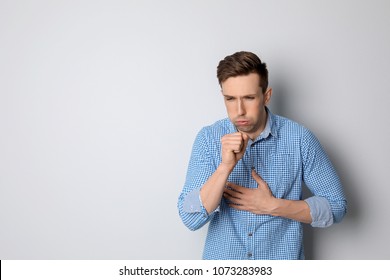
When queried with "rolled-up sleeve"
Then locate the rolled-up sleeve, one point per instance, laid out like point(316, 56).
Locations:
point(192, 202)
point(320, 211)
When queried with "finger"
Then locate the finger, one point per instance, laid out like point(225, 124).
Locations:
point(237, 206)
point(258, 178)
point(243, 138)
point(243, 144)
point(234, 187)
point(232, 136)
point(231, 193)
point(231, 199)
point(235, 141)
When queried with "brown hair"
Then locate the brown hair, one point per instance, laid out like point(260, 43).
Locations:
point(242, 63)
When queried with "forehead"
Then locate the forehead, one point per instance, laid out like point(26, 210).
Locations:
point(241, 85)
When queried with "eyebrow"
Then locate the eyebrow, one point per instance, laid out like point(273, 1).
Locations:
point(247, 95)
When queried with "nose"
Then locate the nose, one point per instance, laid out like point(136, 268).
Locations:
point(240, 108)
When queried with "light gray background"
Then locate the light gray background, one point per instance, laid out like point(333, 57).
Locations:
point(100, 102)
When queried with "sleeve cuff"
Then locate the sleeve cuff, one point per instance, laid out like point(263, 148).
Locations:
point(320, 211)
point(193, 203)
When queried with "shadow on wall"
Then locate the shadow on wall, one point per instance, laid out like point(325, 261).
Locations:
point(353, 218)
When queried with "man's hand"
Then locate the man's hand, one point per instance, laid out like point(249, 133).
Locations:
point(233, 148)
point(258, 201)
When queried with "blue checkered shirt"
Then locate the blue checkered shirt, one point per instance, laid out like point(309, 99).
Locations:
point(285, 155)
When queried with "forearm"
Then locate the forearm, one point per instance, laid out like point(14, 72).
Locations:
point(194, 212)
point(212, 191)
point(297, 210)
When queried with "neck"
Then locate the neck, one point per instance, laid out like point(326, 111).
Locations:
point(261, 127)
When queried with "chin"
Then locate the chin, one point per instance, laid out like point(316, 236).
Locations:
point(245, 129)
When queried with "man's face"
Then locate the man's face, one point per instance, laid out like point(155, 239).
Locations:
point(245, 103)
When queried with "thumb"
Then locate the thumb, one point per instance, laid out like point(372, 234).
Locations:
point(245, 137)
point(258, 178)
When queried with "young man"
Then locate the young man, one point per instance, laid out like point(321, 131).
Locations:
point(245, 174)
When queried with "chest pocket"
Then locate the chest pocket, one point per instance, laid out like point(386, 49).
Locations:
point(282, 174)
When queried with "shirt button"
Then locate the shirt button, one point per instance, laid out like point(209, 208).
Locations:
point(249, 255)
point(250, 234)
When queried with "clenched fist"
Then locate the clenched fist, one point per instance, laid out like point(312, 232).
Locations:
point(233, 148)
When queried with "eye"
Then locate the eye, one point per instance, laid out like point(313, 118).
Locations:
point(229, 98)
point(249, 97)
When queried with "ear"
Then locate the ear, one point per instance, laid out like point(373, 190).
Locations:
point(267, 96)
